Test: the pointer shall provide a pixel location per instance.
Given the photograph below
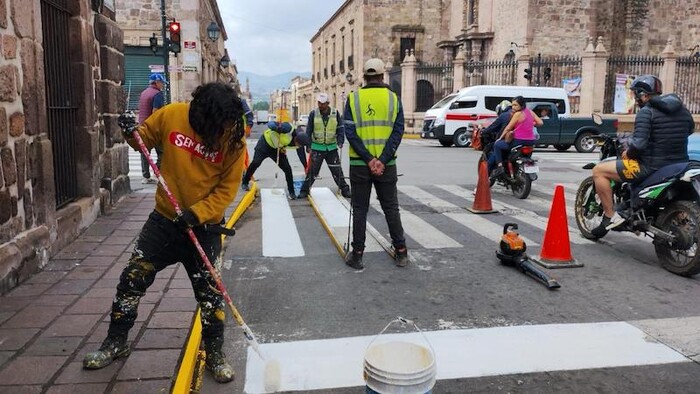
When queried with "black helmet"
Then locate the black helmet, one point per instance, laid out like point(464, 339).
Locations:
point(647, 84)
point(502, 107)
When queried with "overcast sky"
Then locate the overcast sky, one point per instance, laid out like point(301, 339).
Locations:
point(271, 37)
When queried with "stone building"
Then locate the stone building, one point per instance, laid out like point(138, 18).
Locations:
point(201, 59)
point(63, 160)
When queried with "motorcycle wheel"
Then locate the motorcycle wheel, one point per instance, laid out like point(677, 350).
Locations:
point(681, 218)
point(521, 185)
point(588, 209)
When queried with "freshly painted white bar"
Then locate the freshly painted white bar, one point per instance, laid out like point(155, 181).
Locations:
point(427, 235)
point(428, 199)
point(337, 215)
point(280, 237)
point(336, 363)
point(483, 227)
point(528, 217)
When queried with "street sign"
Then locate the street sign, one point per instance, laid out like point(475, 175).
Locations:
point(190, 45)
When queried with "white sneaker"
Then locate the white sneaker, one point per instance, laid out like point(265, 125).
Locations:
point(615, 221)
point(148, 181)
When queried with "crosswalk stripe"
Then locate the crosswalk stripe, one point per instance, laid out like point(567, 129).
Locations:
point(280, 237)
point(528, 217)
point(337, 216)
point(428, 236)
point(428, 199)
point(465, 353)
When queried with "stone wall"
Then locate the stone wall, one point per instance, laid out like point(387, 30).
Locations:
point(31, 229)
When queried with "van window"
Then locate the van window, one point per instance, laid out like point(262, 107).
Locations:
point(491, 102)
point(443, 102)
point(463, 104)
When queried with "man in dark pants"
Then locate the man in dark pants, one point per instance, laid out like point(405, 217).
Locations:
point(326, 131)
point(203, 162)
point(150, 100)
point(273, 145)
point(374, 126)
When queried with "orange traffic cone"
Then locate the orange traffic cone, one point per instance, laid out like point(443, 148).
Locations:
point(482, 200)
point(556, 248)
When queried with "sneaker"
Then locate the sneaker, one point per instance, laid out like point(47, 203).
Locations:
point(291, 196)
point(303, 194)
point(401, 257)
point(354, 260)
point(148, 181)
point(245, 187)
point(112, 348)
point(602, 228)
point(345, 192)
point(220, 369)
point(615, 221)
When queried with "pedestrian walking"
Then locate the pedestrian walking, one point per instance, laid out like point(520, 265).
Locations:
point(374, 126)
point(150, 100)
point(203, 158)
point(325, 129)
point(276, 139)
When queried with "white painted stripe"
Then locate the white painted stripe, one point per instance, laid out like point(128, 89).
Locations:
point(336, 363)
point(528, 217)
point(428, 236)
point(483, 227)
point(280, 237)
point(337, 216)
point(428, 199)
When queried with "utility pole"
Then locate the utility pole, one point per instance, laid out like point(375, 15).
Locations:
point(166, 53)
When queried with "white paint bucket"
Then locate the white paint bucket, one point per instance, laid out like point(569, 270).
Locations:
point(399, 368)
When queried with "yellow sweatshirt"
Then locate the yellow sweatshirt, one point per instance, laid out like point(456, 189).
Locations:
point(204, 184)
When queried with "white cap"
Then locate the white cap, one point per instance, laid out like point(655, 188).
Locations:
point(374, 67)
point(322, 98)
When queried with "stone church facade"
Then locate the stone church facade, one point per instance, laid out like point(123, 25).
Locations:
point(63, 157)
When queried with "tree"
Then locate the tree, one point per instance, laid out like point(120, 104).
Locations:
point(261, 106)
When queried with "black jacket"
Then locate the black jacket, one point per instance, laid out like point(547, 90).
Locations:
point(661, 130)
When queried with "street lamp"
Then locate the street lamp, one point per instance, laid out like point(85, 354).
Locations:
point(213, 31)
point(225, 61)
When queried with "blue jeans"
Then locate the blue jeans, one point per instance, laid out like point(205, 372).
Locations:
point(501, 146)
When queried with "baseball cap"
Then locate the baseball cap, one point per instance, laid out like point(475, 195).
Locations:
point(322, 97)
point(373, 66)
point(156, 77)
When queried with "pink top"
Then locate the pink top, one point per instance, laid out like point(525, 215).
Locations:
point(524, 129)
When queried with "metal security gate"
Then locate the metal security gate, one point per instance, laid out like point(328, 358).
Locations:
point(631, 66)
point(433, 82)
point(687, 83)
point(61, 109)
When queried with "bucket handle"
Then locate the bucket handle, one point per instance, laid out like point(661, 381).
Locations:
point(403, 321)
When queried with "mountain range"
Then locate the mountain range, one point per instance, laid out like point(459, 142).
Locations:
point(262, 85)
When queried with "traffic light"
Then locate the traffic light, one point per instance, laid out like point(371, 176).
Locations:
point(153, 43)
point(528, 74)
point(547, 74)
point(175, 43)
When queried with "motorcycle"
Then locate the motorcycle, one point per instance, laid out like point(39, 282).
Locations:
point(520, 169)
point(663, 207)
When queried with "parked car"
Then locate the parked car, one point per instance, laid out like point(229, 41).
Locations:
point(303, 120)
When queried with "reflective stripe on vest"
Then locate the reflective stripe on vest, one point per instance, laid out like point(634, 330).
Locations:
point(325, 134)
point(374, 112)
point(277, 140)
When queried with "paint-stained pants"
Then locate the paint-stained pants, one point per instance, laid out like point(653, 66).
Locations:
point(263, 152)
point(160, 245)
point(333, 160)
point(361, 181)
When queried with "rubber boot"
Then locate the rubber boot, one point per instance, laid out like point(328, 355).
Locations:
point(112, 348)
point(216, 362)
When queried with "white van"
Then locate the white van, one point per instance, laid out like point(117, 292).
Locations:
point(450, 119)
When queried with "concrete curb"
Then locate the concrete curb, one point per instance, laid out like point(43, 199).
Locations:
point(188, 366)
point(326, 227)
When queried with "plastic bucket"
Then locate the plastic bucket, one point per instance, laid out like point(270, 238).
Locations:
point(298, 183)
point(399, 368)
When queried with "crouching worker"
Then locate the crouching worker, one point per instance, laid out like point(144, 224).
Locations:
point(276, 139)
point(202, 165)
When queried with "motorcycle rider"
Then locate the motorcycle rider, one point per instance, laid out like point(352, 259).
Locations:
point(519, 131)
point(493, 131)
point(660, 138)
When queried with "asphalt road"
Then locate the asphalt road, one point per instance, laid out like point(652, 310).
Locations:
point(619, 324)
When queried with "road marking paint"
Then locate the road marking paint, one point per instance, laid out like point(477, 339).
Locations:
point(470, 353)
point(528, 217)
point(427, 235)
point(337, 215)
point(481, 226)
point(280, 237)
point(428, 199)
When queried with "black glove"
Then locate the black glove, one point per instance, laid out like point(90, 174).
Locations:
point(186, 220)
point(127, 122)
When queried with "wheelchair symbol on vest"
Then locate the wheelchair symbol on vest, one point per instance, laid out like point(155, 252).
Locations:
point(370, 111)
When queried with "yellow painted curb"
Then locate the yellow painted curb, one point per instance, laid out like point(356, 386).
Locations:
point(411, 136)
point(185, 375)
point(325, 225)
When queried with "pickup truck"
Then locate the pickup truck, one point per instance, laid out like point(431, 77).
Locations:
point(564, 132)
